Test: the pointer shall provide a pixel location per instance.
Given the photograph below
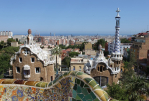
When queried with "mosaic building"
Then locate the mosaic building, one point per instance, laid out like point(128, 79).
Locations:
point(106, 71)
point(32, 63)
point(71, 86)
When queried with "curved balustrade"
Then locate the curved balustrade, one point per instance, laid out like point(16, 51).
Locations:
point(71, 86)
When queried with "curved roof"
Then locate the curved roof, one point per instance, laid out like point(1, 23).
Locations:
point(42, 55)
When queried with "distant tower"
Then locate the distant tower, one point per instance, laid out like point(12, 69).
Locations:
point(116, 54)
point(29, 40)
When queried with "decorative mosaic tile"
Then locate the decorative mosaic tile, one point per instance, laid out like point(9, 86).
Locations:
point(71, 86)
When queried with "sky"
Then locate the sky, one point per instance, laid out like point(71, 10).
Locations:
point(73, 16)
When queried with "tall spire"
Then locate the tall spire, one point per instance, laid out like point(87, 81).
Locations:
point(117, 27)
point(116, 54)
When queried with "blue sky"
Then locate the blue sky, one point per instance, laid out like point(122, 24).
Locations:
point(73, 16)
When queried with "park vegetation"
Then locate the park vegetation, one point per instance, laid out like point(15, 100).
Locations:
point(6, 52)
point(81, 47)
point(131, 87)
point(124, 40)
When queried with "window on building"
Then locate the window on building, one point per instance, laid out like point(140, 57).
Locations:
point(37, 70)
point(98, 68)
point(115, 75)
point(101, 68)
point(20, 59)
point(26, 72)
point(51, 78)
point(102, 80)
point(80, 68)
point(73, 67)
point(32, 59)
point(41, 78)
point(18, 69)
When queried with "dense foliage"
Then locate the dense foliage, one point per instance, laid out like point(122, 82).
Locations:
point(4, 63)
point(96, 45)
point(132, 87)
point(9, 41)
point(6, 51)
point(66, 61)
point(81, 47)
point(124, 40)
point(72, 54)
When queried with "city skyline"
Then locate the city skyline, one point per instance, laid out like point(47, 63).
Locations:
point(73, 17)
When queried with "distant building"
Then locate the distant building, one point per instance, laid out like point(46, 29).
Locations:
point(78, 43)
point(140, 49)
point(14, 44)
point(32, 63)
point(77, 64)
point(90, 52)
point(122, 47)
point(88, 46)
point(7, 33)
point(39, 39)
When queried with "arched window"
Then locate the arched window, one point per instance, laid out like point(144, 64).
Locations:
point(98, 68)
point(101, 68)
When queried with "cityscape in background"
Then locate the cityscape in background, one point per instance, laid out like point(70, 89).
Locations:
point(61, 51)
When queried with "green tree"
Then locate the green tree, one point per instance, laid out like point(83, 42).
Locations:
point(2, 44)
point(124, 40)
point(62, 46)
point(4, 63)
point(10, 50)
point(72, 54)
point(56, 51)
point(9, 41)
point(82, 46)
point(101, 41)
point(137, 88)
point(117, 91)
point(66, 61)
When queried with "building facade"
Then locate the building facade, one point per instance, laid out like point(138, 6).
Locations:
point(140, 49)
point(106, 71)
point(77, 64)
point(32, 63)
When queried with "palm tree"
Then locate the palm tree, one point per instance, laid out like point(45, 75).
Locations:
point(56, 51)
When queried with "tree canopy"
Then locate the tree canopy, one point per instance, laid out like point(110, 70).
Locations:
point(124, 40)
point(81, 47)
point(5, 56)
point(101, 41)
point(131, 87)
point(9, 41)
point(72, 54)
point(4, 63)
point(66, 61)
